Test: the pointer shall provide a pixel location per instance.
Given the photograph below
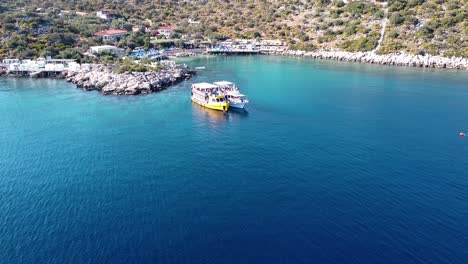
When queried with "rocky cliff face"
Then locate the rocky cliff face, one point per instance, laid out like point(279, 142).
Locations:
point(107, 81)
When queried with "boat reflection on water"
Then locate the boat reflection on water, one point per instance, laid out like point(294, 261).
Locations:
point(217, 117)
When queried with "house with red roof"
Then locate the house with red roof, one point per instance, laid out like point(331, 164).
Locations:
point(112, 34)
point(165, 31)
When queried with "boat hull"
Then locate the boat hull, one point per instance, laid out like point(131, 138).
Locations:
point(221, 106)
point(237, 105)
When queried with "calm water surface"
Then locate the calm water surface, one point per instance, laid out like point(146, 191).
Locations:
point(331, 163)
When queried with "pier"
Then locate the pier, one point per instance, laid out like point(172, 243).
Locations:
point(234, 51)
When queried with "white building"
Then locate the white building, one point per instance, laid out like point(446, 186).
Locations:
point(166, 31)
point(10, 61)
point(106, 14)
point(96, 50)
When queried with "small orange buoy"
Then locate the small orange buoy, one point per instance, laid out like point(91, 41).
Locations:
point(462, 134)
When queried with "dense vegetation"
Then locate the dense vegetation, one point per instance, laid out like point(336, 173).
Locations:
point(30, 28)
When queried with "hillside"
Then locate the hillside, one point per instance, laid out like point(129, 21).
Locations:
point(436, 27)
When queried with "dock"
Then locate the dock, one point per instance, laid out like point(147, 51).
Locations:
point(217, 51)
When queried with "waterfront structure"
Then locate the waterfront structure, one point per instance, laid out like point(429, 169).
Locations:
point(235, 50)
point(229, 46)
point(210, 96)
point(271, 45)
point(248, 46)
point(112, 34)
point(96, 50)
point(140, 52)
point(7, 62)
point(41, 67)
point(198, 44)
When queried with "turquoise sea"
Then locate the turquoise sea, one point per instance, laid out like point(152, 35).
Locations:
point(331, 163)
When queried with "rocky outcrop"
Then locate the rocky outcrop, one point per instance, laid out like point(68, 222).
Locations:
point(400, 59)
point(107, 81)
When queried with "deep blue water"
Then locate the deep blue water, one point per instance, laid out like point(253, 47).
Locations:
point(332, 163)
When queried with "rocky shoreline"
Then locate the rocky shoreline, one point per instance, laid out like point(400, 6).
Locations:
point(105, 80)
point(397, 59)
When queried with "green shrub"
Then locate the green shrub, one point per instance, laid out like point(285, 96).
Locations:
point(396, 19)
point(338, 3)
point(425, 32)
point(130, 66)
point(396, 5)
point(361, 44)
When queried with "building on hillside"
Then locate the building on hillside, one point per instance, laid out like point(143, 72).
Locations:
point(137, 28)
point(112, 34)
point(96, 50)
point(165, 31)
point(198, 44)
point(191, 21)
point(205, 44)
point(250, 46)
point(107, 14)
point(271, 45)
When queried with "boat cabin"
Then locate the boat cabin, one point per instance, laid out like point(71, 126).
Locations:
point(236, 97)
point(226, 86)
point(208, 90)
point(204, 86)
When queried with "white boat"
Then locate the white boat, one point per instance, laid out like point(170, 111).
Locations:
point(232, 93)
point(236, 100)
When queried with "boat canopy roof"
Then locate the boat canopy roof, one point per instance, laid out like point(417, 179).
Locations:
point(223, 83)
point(204, 86)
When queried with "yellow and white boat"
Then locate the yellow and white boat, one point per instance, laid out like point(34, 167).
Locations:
point(208, 95)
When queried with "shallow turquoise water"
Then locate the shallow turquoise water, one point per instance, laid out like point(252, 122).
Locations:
point(332, 163)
